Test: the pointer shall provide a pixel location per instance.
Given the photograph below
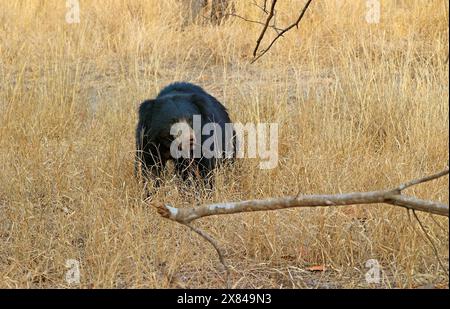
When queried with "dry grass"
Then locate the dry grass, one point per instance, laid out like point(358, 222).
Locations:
point(360, 107)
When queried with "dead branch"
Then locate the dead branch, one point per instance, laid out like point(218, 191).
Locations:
point(266, 25)
point(261, 7)
point(428, 237)
point(392, 197)
point(219, 251)
point(421, 180)
point(274, 27)
point(280, 34)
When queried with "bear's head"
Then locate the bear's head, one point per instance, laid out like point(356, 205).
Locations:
point(170, 124)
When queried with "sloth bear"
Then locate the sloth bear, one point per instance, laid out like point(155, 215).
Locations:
point(186, 125)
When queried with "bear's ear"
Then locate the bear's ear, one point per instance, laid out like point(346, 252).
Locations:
point(145, 108)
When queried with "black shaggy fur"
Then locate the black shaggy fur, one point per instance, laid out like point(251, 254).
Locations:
point(178, 101)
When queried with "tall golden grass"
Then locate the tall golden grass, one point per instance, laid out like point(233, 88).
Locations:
point(360, 107)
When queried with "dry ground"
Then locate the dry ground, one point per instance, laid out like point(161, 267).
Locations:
point(360, 107)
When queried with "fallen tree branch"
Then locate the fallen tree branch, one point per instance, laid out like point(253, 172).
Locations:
point(392, 197)
point(422, 180)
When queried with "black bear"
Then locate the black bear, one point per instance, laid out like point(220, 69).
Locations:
point(187, 125)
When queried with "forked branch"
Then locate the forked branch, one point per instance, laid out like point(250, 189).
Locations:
point(392, 197)
point(280, 33)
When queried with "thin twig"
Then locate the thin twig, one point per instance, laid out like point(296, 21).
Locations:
point(437, 223)
point(263, 7)
point(421, 180)
point(436, 253)
point(277, 30)
point(213, 242)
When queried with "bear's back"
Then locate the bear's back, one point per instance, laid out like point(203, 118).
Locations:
point(181, 88)
point(211, 108)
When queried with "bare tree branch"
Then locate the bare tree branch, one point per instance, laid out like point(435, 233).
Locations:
point(265, 6)
point(392, 197)
point(280, 34)
point(266, 25)
point(413, 203)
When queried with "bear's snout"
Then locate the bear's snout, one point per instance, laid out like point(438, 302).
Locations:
point(184, 136)
point(186, 139)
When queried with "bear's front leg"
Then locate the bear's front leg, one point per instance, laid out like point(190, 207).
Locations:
point(153, 162)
